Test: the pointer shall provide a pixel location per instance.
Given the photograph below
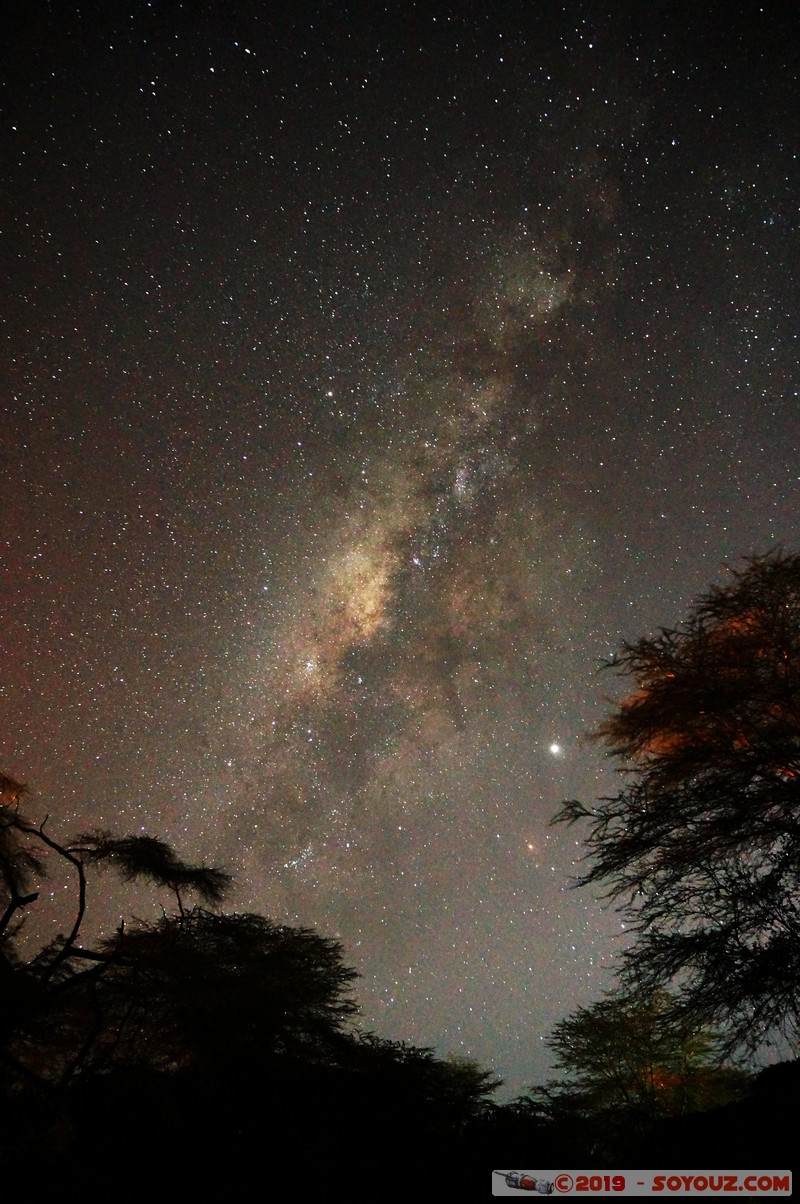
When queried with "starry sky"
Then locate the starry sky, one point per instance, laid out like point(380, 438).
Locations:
point(369, 373)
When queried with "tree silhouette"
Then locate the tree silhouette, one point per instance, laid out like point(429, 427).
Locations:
point(624, 1052)
point(155, 861)
point(53, 1015)
point(443, 1094)
point(201, 989)
point(151, 1029)
point(18, 861)
point(627, 1066)
point(701, 848)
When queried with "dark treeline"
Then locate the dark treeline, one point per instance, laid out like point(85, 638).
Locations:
point(207, 1042)
point(214, 1046)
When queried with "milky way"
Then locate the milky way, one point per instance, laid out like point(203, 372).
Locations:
point(426, 589)
point(368, 380)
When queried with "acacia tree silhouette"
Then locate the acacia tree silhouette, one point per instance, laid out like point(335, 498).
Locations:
point(146, 857)
point(150, 1028)
point(701, 847)
point(626, 1067)
point(46, 1031)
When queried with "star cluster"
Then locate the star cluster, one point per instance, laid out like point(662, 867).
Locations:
point(368, 376)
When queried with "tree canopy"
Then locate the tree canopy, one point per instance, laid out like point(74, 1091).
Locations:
point(171, 1017)
point(626, 1066)
point(701, 846)
point(623, 1052)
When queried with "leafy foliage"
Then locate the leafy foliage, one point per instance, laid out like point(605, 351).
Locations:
point(624, 1052)
point(155, 861)
point(627, 1066)
point(702, 845)
point(54, 1002)
point(171, 1017)
point(455, 1089)
point(203, 988)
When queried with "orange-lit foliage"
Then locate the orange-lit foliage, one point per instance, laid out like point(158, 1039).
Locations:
point(702, 846)
point(10, 791)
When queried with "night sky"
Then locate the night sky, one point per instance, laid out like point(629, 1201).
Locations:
point(368, 374)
